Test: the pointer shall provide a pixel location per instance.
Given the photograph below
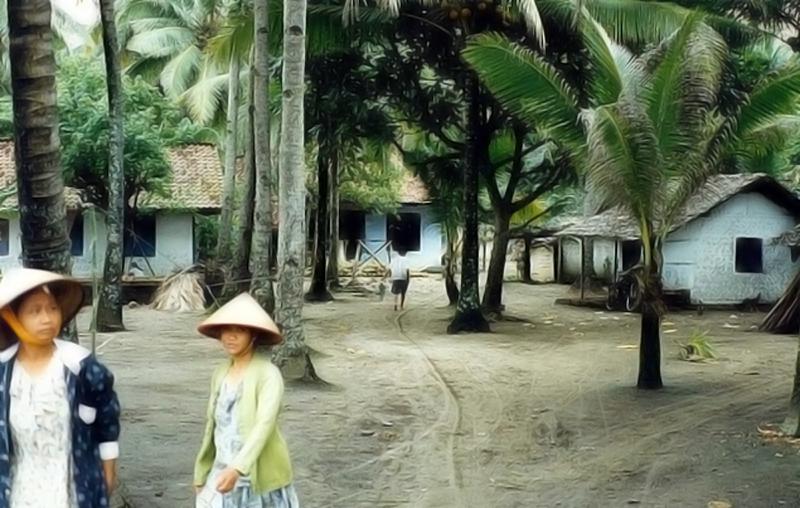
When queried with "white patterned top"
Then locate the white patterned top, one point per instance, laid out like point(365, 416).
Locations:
point(41, 468)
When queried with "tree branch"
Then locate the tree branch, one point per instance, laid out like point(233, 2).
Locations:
point(546, 186)
point(516, 165)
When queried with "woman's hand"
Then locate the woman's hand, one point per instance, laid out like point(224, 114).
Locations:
point(227, 480)
point(198, 489)
point(110, 475)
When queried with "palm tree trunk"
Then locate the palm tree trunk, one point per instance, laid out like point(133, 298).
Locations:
point(261, 284)
point(791, 426)
point(293, 356)
point(225, 238)
point(109, 311)
point(650, 337)
point(239, 274)
point(333, 228)
point(319, 287)
point(40, 185)
point(469, 317)
point(493, 291)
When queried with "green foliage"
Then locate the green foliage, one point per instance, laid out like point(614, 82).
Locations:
point(206, 230)
point(152, 123)
point(698, 347)
point(371, 178)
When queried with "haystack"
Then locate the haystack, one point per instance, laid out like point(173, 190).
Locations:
point(181, 292)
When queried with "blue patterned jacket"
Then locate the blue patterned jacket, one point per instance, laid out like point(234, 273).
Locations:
point(95, 422)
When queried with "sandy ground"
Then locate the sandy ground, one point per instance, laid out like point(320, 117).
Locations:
point(541, 412)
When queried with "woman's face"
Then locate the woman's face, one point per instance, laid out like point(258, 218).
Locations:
point(236, 340)
point(40, 315)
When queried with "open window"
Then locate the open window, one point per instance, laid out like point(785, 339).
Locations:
point(76, 237)
point(631, 253)
point(5, 237)
point(140, 237)
point(749, 255)
point(352, 228)
point(404, 230)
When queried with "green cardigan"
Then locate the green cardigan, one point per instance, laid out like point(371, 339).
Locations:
point(264, 456)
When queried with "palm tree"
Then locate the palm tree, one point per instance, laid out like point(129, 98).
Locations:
point(109, 311)
point(165, 40)
point(293, 354)
point(239, 268)
point(261, 285)
point(40, 185)
point(651, 134)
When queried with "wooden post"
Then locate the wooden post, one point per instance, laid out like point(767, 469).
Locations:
point(559, 245)
point(583, 289)
point(616, 262)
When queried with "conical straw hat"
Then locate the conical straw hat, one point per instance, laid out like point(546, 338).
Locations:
point(67, 292)
point(243, 311)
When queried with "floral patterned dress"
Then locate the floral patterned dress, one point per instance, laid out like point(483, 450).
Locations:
point(228, 443)
point(41, 468)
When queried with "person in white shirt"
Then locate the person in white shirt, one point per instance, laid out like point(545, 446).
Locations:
point(400, 277)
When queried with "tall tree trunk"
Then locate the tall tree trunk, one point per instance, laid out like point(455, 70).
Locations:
point(526, 262)
point(40, 184)
point(650, 349)
point(469, 317)
point(791, 426)
point(319, 277)
point(109, 311)
point(261, 284)
point(650, 339)
point(333, 228)
point(225, 238)
point(493, 292)
point(293, 355)
point(239, 275)
point(450, 286)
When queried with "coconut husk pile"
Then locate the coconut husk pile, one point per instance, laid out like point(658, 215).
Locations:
point(181, 292)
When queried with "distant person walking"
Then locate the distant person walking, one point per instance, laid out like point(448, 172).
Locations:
point(400, 277)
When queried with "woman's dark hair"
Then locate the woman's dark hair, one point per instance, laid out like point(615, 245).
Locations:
point(54, 289)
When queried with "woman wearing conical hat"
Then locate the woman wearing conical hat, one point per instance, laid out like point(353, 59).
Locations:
point(243, 460)
point(59, 415)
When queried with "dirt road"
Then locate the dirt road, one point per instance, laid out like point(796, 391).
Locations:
point(541, 412)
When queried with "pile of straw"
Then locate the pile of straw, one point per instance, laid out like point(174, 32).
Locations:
point(181, 292)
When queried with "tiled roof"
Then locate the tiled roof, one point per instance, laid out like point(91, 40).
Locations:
point(196, 180)
point(8, 177)
point(617, 223)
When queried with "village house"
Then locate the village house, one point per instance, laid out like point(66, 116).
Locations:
point(721, 250)
point(413, 227)
point(162, 239)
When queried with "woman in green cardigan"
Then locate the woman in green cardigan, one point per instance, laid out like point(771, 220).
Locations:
point(243, 461)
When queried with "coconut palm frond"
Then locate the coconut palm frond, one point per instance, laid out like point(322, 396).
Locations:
point(528, 86)
point(161, 42)
point(181, 71)
point(206, 97)
point(777, 94)
point(684, 86)
point(624, 167)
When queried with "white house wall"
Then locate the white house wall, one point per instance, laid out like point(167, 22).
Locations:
point(431, 242)
point(570, 259)
point(701, 255)
point(174, 246)
point(542, 267)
